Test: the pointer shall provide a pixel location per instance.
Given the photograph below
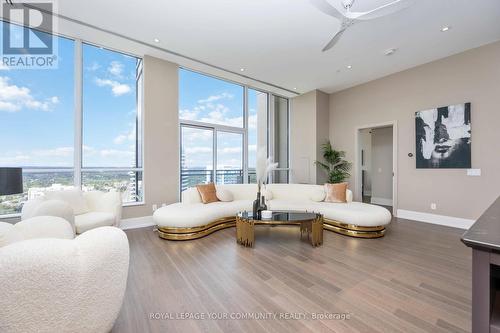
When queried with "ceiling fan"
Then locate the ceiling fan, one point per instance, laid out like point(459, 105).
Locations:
point(348, 18)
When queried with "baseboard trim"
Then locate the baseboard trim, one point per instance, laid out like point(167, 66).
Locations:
point(137, 222)
point(381, 201)
point(449, 221)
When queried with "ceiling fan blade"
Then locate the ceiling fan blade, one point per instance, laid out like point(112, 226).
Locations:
point(388, 9)
point(325, 7)
point(334, 40)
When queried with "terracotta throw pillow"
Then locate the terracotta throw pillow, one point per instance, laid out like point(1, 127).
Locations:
point(336, 192)
point(208, 193)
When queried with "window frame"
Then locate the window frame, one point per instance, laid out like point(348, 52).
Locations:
point(243, 130)
point(271, 138)
point(77, 167)
point(139, 149)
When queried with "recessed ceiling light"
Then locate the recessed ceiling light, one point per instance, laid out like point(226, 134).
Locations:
point(389, 52)
point(294, 88)
point(349, 66)
point(445, 28)
point(242, 69)
point(156, 40)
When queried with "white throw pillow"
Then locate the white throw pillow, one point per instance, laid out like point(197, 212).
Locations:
point(191, 195)
point(224, 195)
point(74, 198)
point(268, 194)
point(317, 195)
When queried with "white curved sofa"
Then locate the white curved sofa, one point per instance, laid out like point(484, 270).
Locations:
point(63, 285)
point(84, 210)
point(192, 219)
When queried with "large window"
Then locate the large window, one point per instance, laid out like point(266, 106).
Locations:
point(223, 124)
point(257, 128)
point(197, 151)
point(280, 140)
point(208, 100)
point(40, 117)
point(111, 158)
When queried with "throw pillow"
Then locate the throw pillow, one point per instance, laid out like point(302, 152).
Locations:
point(207, 192)
point(224, 195)
point(74, 198)
point(336, 192)
point(191, 195)
point(317, 195)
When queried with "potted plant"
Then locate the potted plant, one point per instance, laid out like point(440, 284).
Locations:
point(335, 166)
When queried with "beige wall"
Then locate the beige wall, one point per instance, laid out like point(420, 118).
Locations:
point(381, 165)
point(322, 131)
point(309, 128)
point(161, 136)
point(472, 76)
point(303, 138)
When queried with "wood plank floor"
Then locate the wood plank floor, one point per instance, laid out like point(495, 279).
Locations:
point(415, 279)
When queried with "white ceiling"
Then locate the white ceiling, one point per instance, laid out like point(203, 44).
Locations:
point(280, 41)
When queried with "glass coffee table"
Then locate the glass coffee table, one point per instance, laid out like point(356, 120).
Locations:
point(311, 224)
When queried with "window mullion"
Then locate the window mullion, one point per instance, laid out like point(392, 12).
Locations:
point(214, 171)
point(78, 114)
point(245, 135)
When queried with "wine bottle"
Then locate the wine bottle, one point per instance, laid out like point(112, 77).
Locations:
point(256, 205)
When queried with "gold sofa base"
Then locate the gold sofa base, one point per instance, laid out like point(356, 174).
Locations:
point(172, 233)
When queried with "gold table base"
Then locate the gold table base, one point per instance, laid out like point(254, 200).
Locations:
point(245, 229)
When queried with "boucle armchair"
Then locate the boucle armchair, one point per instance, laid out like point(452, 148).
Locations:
point(85, 210)
point(64, 285)
point(35, 227)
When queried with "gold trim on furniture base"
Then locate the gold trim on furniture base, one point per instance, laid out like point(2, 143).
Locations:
point(172, 233)
point(354, 230)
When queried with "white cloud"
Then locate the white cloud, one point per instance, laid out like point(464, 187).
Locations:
point(214, 98)
point(230, 150)
point(117, 88)
point(197, 150)
point(130, 136)
point(14, 160)
point(120, 139)
point(116, 153)
point(88, 149)
point(14, 98)
point(217, 114)
point(115, 68)
point(93, 67)
point(188, 114)
point(55, 152)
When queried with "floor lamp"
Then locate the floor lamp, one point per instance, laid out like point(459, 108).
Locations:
point(11, 181)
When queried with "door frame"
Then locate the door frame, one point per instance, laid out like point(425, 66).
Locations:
point(357, 162)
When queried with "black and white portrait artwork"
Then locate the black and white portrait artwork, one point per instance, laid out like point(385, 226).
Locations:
point(443, 137)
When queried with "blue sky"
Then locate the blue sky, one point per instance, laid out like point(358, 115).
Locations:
point(37, 113)
point(206, 99)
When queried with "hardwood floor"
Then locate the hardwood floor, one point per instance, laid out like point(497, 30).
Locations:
point(415, 279)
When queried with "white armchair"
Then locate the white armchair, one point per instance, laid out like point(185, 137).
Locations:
point(84, 210)
point(64, 285)
point(35, 227)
